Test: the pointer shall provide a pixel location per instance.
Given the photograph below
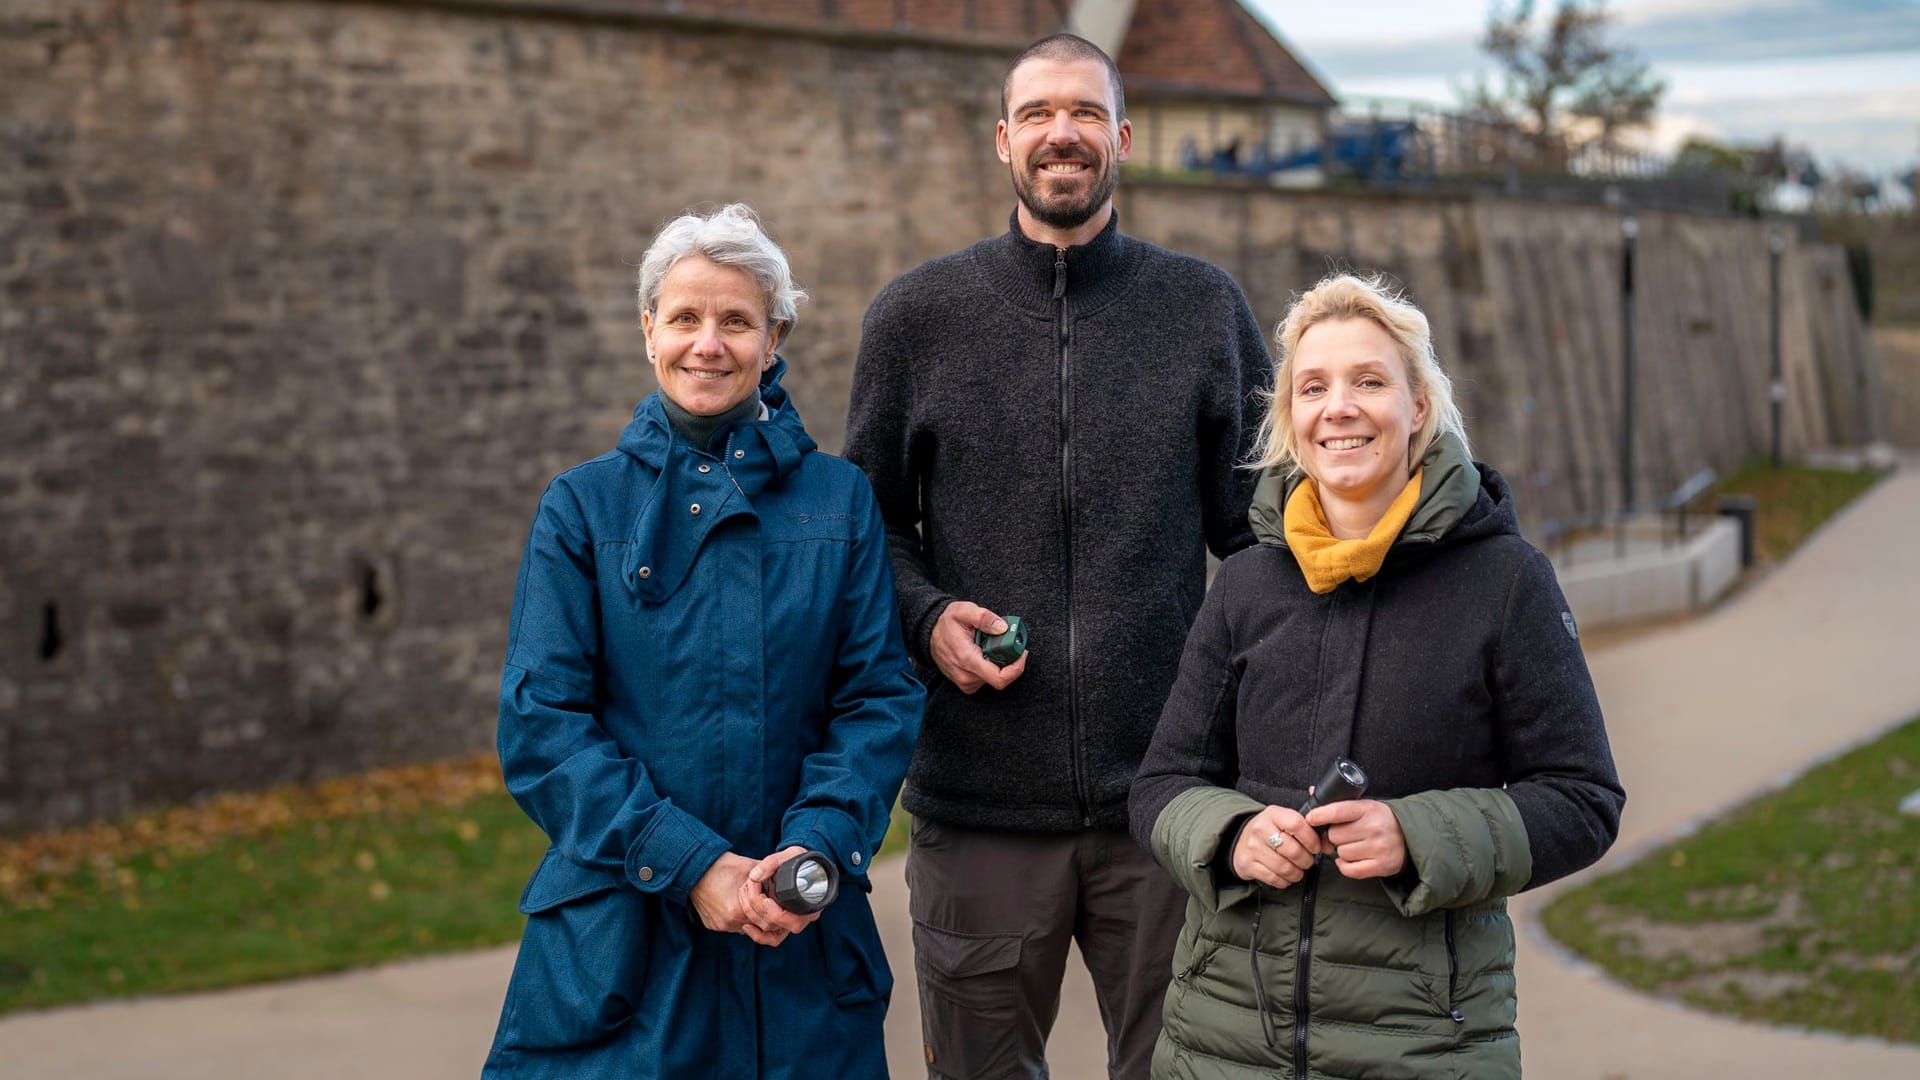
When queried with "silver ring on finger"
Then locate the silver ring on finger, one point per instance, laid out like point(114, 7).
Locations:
point(1276, 840)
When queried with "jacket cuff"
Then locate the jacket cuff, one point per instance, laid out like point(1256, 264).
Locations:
point(1190, 834)
point(835, 834)
point(920, 634)
point(1466, 845)
point(673, 854)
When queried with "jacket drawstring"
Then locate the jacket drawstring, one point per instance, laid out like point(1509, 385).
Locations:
point(1259, 988)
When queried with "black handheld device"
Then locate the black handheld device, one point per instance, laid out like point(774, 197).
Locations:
point(805, 883)
point(1344, 780)
point(1003, 649)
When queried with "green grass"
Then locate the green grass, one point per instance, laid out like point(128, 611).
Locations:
point(257, 888)
point(896, 841)
point(1792, 501)
point(1800, 907)
point(432, 859)
point(300, 899)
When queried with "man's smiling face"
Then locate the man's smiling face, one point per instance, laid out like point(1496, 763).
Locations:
point(1060, 140)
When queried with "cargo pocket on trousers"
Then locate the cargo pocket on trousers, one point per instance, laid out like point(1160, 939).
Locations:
point(582, 961)
point(969, 1000)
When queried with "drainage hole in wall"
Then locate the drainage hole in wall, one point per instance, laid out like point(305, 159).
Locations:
point(372, 597)
point(50, 638)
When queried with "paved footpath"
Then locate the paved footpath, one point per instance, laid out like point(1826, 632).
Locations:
point(1819, 655)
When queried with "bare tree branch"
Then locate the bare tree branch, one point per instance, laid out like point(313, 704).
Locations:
point(1563, 88)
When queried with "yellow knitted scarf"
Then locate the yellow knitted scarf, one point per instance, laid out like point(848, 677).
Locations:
point(1327, 560)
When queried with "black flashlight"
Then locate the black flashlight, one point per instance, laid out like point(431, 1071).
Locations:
point(1344, 780)
point(805, 883)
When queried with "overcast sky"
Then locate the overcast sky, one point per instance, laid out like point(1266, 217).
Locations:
point(1841, 77)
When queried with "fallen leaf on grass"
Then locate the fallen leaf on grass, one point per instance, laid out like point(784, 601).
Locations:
point(32, 868)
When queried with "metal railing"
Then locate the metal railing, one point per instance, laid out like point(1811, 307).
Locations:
point(1676, 511)
point(1399, 144)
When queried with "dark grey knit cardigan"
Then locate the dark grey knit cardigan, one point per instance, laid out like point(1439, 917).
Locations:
point(1055, 435)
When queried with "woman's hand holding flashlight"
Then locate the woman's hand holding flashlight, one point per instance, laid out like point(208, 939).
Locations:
point(718, 898)
point(728, 899)
point(1366, 837)
point(1274, 847)
point(773, 922)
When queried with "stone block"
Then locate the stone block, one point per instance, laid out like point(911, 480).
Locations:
point(1658, 575)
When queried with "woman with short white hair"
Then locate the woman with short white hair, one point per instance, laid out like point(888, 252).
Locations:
point(1392, 616)
point(705, 682)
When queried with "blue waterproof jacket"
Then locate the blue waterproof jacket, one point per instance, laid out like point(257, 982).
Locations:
point(704, 657)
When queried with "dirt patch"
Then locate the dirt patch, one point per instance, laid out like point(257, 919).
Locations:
point(1739, 984)
point(1888, 963)
point(1713, 944)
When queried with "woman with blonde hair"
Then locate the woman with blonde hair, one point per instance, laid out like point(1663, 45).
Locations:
point(1391, 615)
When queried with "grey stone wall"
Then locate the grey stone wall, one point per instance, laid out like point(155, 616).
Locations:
point(1525, 301)
point(301, 303)
point(1899, 352)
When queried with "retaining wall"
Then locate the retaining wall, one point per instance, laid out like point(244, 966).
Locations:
point(301, 303)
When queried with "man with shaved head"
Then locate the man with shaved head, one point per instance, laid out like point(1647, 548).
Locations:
point(1053, 420)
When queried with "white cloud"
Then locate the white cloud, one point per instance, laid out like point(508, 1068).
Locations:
point(1877, 131)
point(1776, 30)
point(1841, 77)
point(1638, 12)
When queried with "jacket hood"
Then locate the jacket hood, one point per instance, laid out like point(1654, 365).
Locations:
point(694, 491)
point(1454, 491)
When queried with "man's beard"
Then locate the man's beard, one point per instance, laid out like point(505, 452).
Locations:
point(1064, 211)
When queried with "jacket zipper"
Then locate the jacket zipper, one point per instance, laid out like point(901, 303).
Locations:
point(1081, 795)
point(1303, 969)
point(1195, 966)
point(1453, 971)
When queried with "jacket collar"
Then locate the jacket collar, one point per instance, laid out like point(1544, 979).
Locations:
point(685, 503)
point(1023, 270)
point(1449, 489)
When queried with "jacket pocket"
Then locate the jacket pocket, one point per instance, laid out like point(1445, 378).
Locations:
point(855, 961)
point(1483, 1000)
point(1452, 1002)
point(969, 1000)
point(582, 961)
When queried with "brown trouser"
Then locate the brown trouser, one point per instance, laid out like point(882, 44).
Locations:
point(993, 913)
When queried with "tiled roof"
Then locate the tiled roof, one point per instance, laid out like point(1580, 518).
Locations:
point(1211, 48)
point(1017, 18)
point(1008, 20)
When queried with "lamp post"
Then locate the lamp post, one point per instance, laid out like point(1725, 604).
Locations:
point(1777, 386)
point(1629, 234)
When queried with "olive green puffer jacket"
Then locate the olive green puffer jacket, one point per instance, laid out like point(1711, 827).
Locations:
point(1455, 677)
point(1407, 978)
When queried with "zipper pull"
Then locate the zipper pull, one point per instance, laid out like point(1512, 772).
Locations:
point(1194, 966)
point(1059, 273)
